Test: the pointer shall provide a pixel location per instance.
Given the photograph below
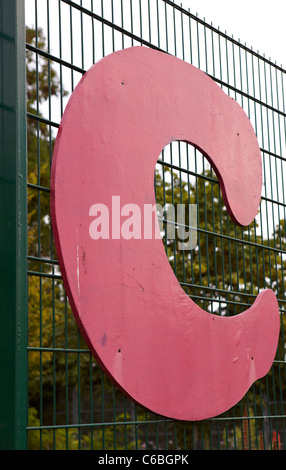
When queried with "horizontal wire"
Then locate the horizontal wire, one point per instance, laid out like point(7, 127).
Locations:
point(57, 350)
point(42, 260)
point(36, 117)
point(41, 274)
point(183, 284)
point(54, 58)
point(221, 82)
point(37, 187)
point(54, 350)
point(200, 175)
point(147, 422)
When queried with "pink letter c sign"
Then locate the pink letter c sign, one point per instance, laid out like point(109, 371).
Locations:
point(155, 343)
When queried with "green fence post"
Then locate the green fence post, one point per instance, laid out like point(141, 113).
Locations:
point(13, 228)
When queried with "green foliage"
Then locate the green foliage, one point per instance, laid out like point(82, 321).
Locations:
point(76, 438)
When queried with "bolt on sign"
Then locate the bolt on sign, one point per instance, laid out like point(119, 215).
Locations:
point(157, 345)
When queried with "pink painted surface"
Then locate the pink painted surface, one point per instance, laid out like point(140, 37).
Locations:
point(155, 343)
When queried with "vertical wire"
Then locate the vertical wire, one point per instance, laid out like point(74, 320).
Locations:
point(263, 169)
point(220, 200)
point(213, 51)
point(60, 56)
point(122, 24)
point(71, 46)
point(255, 230)
point(242, 245)
point(282, 312)
point(91, 398)
point(158, 24)
point(275, 254)
point(193, 436)
point(261, 395)
point(196, 172)
point(212, 186)
point(112, 29)
point(187, 151)
point(166, 435)
point(93, 32)
point(191, 42)
point(39, 208)
point(181, 202)
point(91, 359)
point(175, 33)
point(38, 130)
point(166, 25)
point(198, 45)
point(81, 37)
point(135, 425)
point(131, 21)
point(180, 164)
point(219, 192)
point(114, 417)
point(102, 410)
point(183, 36)
point(269, 158)
point(226, 434)
point(164, 169)
point(146, 431)
point(202, 434)
point(198, 205)
point(78, 390)
point(276, 174)
point(41, 361)
point(140, 20)
point(242, 228)
point(102, 30)
point(125, 420)
point(149, 23)
point(268, 239)
point(66, 371)
point(173, 203)
point(255, 240)
point(206, 55)
point(211, 435)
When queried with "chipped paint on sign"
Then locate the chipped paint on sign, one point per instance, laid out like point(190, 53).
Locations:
point(155, 343)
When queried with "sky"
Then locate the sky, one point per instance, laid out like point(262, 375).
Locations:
point(258, 23)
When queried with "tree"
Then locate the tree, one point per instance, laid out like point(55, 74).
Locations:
point(49, 311)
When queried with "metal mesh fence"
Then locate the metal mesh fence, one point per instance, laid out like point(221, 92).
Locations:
point(72, 404)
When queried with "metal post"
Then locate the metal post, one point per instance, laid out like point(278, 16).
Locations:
point(13, 228)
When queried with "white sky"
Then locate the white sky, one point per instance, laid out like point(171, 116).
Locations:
point(258, 23)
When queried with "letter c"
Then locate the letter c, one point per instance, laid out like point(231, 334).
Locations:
point(159, 347)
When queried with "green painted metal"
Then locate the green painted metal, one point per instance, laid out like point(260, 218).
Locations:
point(72, 404)
point(13, 228)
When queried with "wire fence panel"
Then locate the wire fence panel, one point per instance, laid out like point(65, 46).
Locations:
point(72, 404)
